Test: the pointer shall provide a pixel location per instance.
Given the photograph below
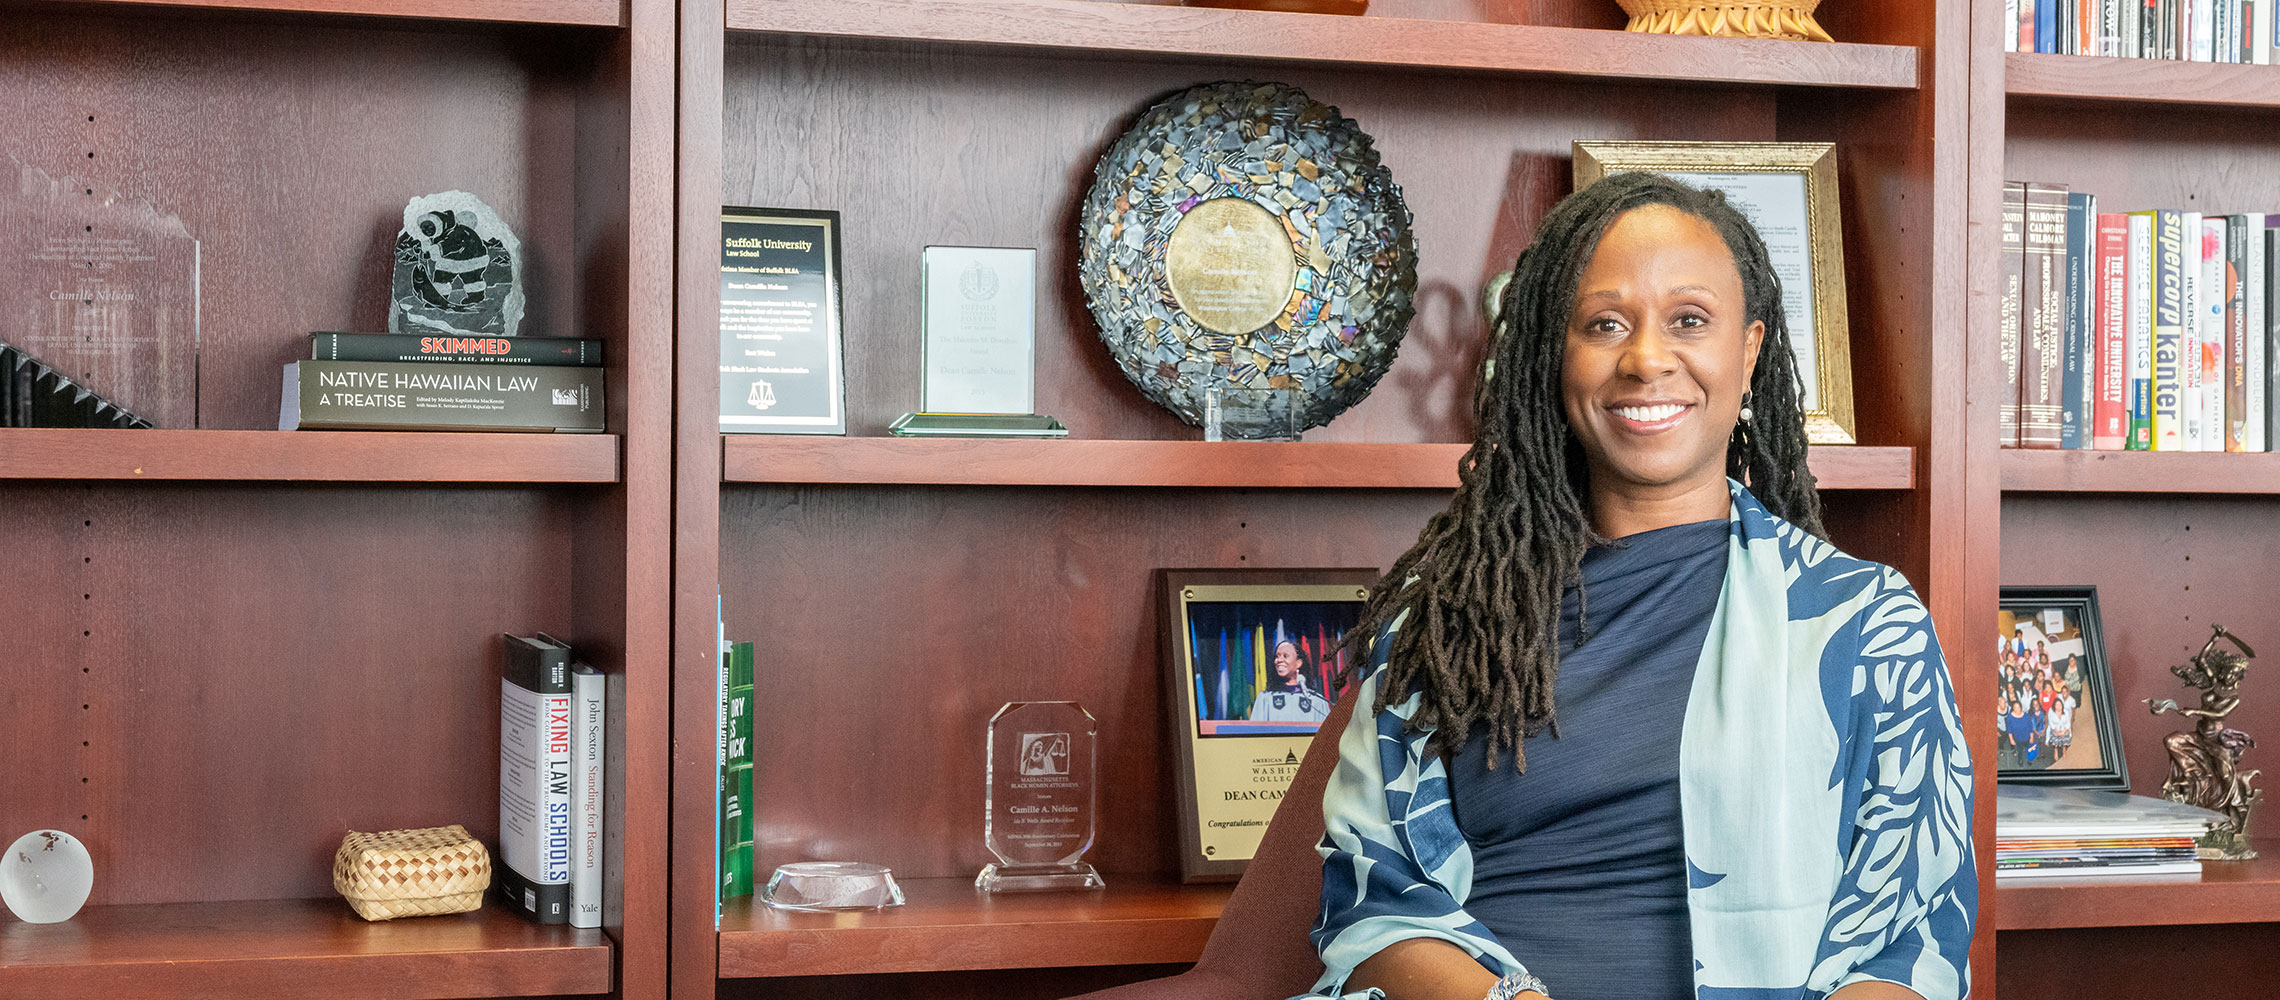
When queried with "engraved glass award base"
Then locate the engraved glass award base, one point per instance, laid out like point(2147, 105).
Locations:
point(1032, 425)
point(1252, 414)
point(1037, 816)
point(1033, 878)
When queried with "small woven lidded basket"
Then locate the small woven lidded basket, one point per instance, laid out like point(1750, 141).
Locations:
point(412, 873)
point(1792, 19)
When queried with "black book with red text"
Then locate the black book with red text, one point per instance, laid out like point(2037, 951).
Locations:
point(329, 346)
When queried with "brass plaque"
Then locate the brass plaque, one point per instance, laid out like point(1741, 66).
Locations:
point(1231, 266)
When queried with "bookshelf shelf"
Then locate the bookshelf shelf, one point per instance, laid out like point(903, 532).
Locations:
point(946, 925)
point(1235, 464)
point(2235, 892)
point(2167, 81)
point(601, 13)
point(296, 947)
point(308, 456)
point(2036, 471)
point(1152, 30)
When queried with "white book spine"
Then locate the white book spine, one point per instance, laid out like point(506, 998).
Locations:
point(2260, 34)
point(2189, 340)
point(2213, 333)
point(2137, 392)
point(2204, 30)
point(588, 746)
point(2010, 25)
point(2257, 370)
point(2110, 27)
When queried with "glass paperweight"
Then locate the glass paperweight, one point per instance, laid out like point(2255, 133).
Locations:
point(1038, 815)
point(1252, 414)
point(46, 877)
point(831, 885)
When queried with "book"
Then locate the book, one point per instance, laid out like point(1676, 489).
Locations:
point(2078, 358)
point(2271, 334)
point(722, 649)
point(2046, 26)
point(330, 346)
point(2109, 409)
point(2168, 273)
point(736, 811)
point(440, 396)
point(2205, 384)
point(2137, 315)
point(2235, 325)
point(2260, 24)
point(534, 778)
point(2042, 352)
point(589, 738)
point(2013, 304)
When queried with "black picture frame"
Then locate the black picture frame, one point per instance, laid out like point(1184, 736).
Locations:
point(792, 377)
point(1235, 756)
point(2025, 751)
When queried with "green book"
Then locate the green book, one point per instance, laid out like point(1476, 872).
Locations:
point(736, 810)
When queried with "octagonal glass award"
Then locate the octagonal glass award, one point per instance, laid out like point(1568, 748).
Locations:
point(1038, 815)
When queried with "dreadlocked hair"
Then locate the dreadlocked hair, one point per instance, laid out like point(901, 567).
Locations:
point(1482, 587)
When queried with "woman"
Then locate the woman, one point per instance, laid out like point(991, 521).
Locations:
point(1288, 697)
point(1754, 782)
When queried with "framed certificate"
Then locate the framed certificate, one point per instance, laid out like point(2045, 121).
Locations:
point(781, 368)
point(1252, 661)
point(1788, 190)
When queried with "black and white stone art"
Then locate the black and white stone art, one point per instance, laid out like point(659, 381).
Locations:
point(458, 270)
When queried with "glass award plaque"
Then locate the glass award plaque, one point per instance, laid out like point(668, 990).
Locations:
point(102, 290)
point(1253, 414)
point(978, 346)
point(1038, 817)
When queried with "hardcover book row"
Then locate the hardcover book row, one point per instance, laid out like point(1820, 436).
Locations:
point(2223, 31)
point(2142, 331)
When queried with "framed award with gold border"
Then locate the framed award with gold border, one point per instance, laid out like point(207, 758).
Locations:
point(1252, 662)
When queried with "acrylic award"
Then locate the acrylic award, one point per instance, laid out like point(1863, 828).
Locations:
point(1038, 816)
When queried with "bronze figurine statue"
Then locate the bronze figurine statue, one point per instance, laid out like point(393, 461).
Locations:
point(2204, 765)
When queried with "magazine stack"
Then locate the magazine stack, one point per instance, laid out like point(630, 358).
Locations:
point(2073, 833)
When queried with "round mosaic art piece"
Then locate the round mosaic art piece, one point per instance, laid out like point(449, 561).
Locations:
point(1243, 236)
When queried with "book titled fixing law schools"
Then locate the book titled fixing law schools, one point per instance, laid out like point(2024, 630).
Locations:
point(329, 346)
point(401, 395)
point(536, 720)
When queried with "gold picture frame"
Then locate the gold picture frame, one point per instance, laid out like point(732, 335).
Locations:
point(1755, 177)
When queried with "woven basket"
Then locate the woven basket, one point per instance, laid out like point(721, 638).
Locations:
point(412, 873)
point(1791, 19)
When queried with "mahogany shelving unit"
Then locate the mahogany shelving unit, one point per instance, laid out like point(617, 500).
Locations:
point(2173, 542)
point(227, 646)
point(918, 584)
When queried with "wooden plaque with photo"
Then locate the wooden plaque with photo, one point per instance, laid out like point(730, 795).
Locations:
point(2055, 692)
point(1251, 658)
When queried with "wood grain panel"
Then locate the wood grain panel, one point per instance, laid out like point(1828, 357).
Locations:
point(292, 949)
point(791, 459)
point(2196, 159)
point(585, 12)
point(213, 684)
point(286, 456)
point(977, 149)
point(2186, 961)
point(2026, 470)
point(289, 150)
point(2169, 81)
point(2165, 568)
point(2234, 892)
point(947, 924)
point(1252, 35)
point(891, 622)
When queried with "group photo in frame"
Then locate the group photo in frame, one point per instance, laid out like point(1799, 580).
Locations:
point(1252, 660)
point(2055, 704)
point(1788, 190)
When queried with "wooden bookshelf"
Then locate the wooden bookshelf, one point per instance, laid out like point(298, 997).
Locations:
point(2037, 471)
point(1240, 464)
point(2226, 892)
point(298, 947)
point(602, 13)
point(2156, 81)
point(308, 456)
point(947, 925)
point(1157, 31)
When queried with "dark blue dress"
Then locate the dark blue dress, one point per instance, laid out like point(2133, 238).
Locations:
point(1579, 865)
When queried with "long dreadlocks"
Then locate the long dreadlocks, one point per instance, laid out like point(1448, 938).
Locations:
point(1481, 639)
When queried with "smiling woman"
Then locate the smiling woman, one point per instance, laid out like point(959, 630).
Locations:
point(1636, 540)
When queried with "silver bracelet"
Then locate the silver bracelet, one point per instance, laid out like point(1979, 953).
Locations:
point(1515, 983)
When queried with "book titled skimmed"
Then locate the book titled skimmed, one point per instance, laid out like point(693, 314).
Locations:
point(407, 395)
point(329, 346)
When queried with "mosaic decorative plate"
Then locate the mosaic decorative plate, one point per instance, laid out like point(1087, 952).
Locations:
point(1244, 236)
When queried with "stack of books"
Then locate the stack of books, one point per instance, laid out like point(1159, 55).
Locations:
point(385, 381)
point(2224, 31)
point(2063, 832)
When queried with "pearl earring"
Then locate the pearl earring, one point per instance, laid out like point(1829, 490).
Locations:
point(1745, 406)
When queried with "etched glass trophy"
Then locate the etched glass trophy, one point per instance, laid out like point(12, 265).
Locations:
point(978, 346)
point(1038, 817)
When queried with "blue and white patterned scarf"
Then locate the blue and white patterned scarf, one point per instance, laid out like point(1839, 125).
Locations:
point(1824, 789)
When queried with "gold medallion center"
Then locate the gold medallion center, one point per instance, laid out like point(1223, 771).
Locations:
point(1231, 266)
